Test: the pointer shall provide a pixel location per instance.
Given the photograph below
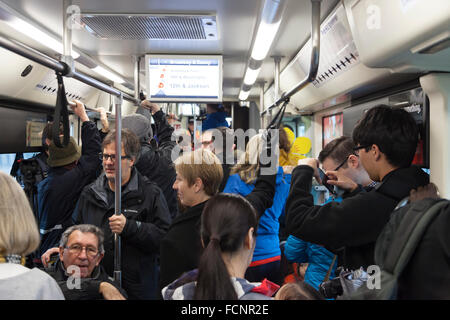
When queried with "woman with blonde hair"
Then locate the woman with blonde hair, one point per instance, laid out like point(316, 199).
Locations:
point(267, 255)
point(19, 236)
point(199, 174)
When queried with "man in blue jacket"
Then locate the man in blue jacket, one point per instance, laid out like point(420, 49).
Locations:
point(215, 117)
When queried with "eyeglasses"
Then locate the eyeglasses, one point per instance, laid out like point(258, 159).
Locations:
point(76, 249)
point(342, 163)
point(356, 149)
point(106, 156)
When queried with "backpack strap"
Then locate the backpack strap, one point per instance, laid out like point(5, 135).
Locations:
point(61, 111)
point(409, 234)
point(327, 277)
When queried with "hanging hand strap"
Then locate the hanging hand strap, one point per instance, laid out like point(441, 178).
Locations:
point(61, 115)
point(276, 121)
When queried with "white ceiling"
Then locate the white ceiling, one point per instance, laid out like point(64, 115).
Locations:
point(237, 21)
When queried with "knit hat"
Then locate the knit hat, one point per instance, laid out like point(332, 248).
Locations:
point(59, 157)
point(139, 125)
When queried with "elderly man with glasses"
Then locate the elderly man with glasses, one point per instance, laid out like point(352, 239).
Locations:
point(78, 270)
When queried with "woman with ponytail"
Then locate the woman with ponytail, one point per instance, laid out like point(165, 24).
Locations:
point(228, 229)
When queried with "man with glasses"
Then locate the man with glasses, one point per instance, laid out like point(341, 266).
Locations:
point(78, 270)
point(144, 220)
point(339, 155)
point(386, 140)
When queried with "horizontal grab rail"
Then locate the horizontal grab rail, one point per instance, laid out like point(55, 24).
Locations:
point(54, 64)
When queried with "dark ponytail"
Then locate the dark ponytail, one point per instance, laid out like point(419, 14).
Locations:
point(226, 220)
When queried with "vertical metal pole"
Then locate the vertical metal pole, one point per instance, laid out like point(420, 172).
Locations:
point(276, 77)
point(195, 128)
point(118, 189)
point(67, 37)
point(261, 101)
point(137, 79)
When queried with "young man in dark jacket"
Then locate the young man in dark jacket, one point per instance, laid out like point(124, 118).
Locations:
point(386, 140)
point(155, 161)
point(71, 169)
point(144, 220)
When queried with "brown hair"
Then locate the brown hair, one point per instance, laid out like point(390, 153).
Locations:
point(337, 149)
point(202, 164)
point(130, 142)
point(294, 291)
point(284, 140)
point(225, 223)
point(18, 229)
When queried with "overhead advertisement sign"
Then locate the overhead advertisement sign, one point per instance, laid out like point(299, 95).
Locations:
point(184, 78)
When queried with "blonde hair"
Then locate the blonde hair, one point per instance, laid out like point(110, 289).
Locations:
point(248, 164)
point(203, 164)
point(18, 228)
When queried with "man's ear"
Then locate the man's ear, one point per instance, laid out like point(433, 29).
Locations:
point(375, 151)
point(100, 257)
point(61, 254)
point(353, 161)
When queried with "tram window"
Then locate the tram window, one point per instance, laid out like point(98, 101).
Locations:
point(7, 160)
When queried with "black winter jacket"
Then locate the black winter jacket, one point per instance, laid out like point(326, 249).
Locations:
point(59, 192)
point(148, 220)
point(156, 164)
point(89, 287)
point(356, 222)
point(181, 248)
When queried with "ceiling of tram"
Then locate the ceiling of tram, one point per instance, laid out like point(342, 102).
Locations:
point(236, 20)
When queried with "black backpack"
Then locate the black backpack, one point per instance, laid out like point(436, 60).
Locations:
point(395, 246)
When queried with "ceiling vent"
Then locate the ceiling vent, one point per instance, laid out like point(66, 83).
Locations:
point(153, 27)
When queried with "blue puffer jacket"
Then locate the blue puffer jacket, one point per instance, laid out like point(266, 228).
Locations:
point(214, 120)
point(318, 258)
point(267, 241)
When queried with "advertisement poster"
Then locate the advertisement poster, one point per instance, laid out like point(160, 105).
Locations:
point(184, 78)
point(332, 127)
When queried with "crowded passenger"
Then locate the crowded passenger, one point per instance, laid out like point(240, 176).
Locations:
point(297, 291)
point(155, 159)
point(426, 275)
point(143, 222)
point(220, 141)
point(19, 236)
point(71, 169)
point(228, 236)
point(337, 155)
point(267, 254)
point(78, 270)
point(215, 117)
point(199, 175)
point(386, 140)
